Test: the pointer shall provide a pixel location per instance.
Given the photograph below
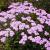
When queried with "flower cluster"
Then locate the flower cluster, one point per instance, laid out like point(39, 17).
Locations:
point(31, 28)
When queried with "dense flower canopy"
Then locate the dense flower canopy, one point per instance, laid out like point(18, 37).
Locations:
point(9, 24)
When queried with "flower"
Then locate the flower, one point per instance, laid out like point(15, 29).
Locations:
point(46, 33)
point(27, 26)
point(23, 18)
point(2, 19)
point(29, 31)
point(15, 25)
point(37, 39)
point(21, 26)
point(11, 33)
point(47, 44)
point(48, 15)
point(33, 24)
point(22, 34)
point(42, 20)
point(48, 48)
point(3, 39)
point(30, 37)
point(28, 18)
point(40, 27)
point(10, 16)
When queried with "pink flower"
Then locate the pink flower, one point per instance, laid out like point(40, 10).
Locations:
point(3, 39)
point(28, 18)
point(48, 48)
point(35, 33)
point(40, 27)
point(27, 26)
point(47, 22)
point(22, 34)
point(5, 33)
point(47, 44)
point(43, 41)
point(12, 11)
point(29, 31)
point(37, 39)
point(33, 40)
point(42, 20)
point(30, 37)
point(24, 37)
point(15, 25)
point(33, 24)
point(3, 13)
point(23, 18)
point(10, 16)
point(11, 33)
point(48, 15)
point(43, 12)
point(34, 28)
point(21, 26)
point(32, 21)
point(21, 42)
point(2, 19)
point(46, 33)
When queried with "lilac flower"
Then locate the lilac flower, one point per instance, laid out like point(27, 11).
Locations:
point(34, 28)
point(40, 27)
point(29, 31)
point(5, 33)
point(3, 39)
point(42, 20)
point(44, 17)
point(28, 18)
point(2, 19)
point(35, 33)
point(37, 39)
point(47, 22)
point(46, 33)
point(27, 26)
point(23, 18)
point(11, 33)
point(33, 24)
point(15, 25)
point(21, 42)
point(47, 44)
point(3, 13)
point(30, 37)
point(24, 37)
point(13, 19)
point(10, 16)
point(21, 26)
point(48, 48)
point(12, 11)
point(33, 40)
point(43, 12)
point(32, 21)
point(48, 15)
point(43, 41)
point(22, 34)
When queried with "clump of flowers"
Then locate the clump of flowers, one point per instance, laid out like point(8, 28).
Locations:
point(27, 26)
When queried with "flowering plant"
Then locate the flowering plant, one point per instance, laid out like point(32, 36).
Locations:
point(25, 25)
